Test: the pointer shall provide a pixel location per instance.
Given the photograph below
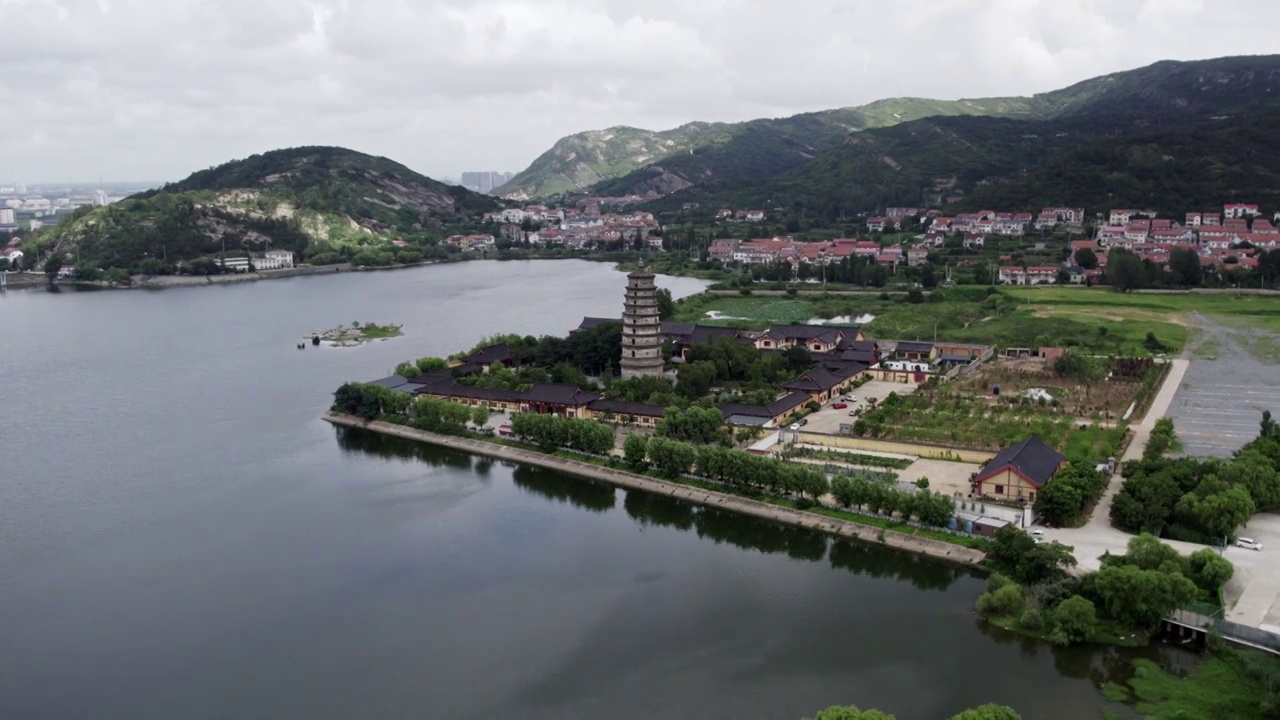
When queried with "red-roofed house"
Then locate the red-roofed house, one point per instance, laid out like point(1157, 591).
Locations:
point(1239, 210)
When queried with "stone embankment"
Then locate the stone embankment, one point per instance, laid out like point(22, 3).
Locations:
point(709, 498)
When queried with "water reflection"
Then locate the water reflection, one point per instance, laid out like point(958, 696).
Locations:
point(578, 492)
point(921, 572)
point(365, 442)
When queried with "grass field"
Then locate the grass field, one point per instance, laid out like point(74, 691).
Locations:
point(969, 315)
point(1228, 684)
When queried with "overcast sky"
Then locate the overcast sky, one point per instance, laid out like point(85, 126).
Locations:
point(153, 89)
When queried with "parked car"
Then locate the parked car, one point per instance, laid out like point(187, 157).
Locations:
point(840, 406)
point(804, 421)
point(1248, 544)
point(1038, 535)
point(794, 426)
point(852, 398)
point(853, 413)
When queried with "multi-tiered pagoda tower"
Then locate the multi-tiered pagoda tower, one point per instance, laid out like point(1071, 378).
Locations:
point(641, 327)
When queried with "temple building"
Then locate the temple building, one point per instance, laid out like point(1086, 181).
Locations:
point(641, 326)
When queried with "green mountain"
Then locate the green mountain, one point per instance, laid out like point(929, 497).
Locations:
point(1170, 134)
point(312, 200)
point(625, 160)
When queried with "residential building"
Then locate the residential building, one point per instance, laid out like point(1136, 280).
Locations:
point(1041, 275)
point(1239, 210)
point(917, 256)
point(7, 216)
point(1018, 472)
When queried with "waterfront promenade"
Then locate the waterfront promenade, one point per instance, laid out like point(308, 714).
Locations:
point(709, 498)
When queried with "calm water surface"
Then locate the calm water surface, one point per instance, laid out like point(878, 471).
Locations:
point(181, 537)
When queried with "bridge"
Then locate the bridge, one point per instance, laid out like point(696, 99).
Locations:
point(1189, 624)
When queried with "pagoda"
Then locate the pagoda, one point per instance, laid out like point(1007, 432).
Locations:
point(641, 326)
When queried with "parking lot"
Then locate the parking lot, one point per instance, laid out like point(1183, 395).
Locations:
point(1220, 402)
point(828, 420)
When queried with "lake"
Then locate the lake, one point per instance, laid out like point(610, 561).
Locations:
point(184, 537)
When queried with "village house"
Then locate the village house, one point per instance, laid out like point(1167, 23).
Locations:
point(815, 338)
point(822, 383)
point(1040, 275)
point(916, 351)
point(1017, 473)
point(1239, 210)
point(774, 414)
point(974, 240)
point(754, 215)
point(901, 212)
point(907, 372)
point(877, 224)
point(917, 256)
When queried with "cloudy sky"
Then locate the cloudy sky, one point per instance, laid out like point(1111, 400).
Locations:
point(153, 89)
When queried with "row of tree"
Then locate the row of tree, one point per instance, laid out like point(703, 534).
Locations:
point(697, 425)
point(734, 467)
point(549, 432)
point(877, 497)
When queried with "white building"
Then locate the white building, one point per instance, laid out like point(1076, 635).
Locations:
point(274, 260)
point(6, 216)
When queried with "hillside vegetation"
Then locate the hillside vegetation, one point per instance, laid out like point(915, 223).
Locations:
point(1170, 135)
point(315, 201)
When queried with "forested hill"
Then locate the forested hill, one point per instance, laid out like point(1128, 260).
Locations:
point(312, 200)
point(1171, 134)
point(716, 156)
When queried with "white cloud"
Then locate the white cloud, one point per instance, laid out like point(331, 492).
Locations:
point(155, 88)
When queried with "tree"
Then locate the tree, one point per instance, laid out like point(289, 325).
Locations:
point(1005, 602)
point(1044, 563)
point(428, 364)
point(1141, 598)
point(797, 358)
point(666, 305)
point(694, 380)
point(1209, 571)
point(990, 711)
point(1125, 271)
point(634, 449)
point(915, 296)
point(1184, 265)
point(407, 370)
point(849, 712)
point(479, 415)
point(53, 265)
point(1086, 258)
point(1076, 618)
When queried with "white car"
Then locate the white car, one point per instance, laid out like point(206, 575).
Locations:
point(1037, 535)
point(794, 426)
point(1248, 544)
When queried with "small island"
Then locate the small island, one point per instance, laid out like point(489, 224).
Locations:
point(356, 334)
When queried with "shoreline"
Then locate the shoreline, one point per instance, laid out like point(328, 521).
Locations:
point(709, 498)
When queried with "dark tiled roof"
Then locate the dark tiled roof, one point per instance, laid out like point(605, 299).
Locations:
point(393, 383)
point(594, 322)
point(677, 329)
point(859, 345)
point(914, 347)
point(1031, 458)
point(823, 333)
point(452, 389)
point(860, 356)
point(817, 379)
point(558, 394)
point(490, 355)
point(955, 358)
point(730, 409)
point(788, 403)
point(435, 376)
point(618, 407)
point(705, 334)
